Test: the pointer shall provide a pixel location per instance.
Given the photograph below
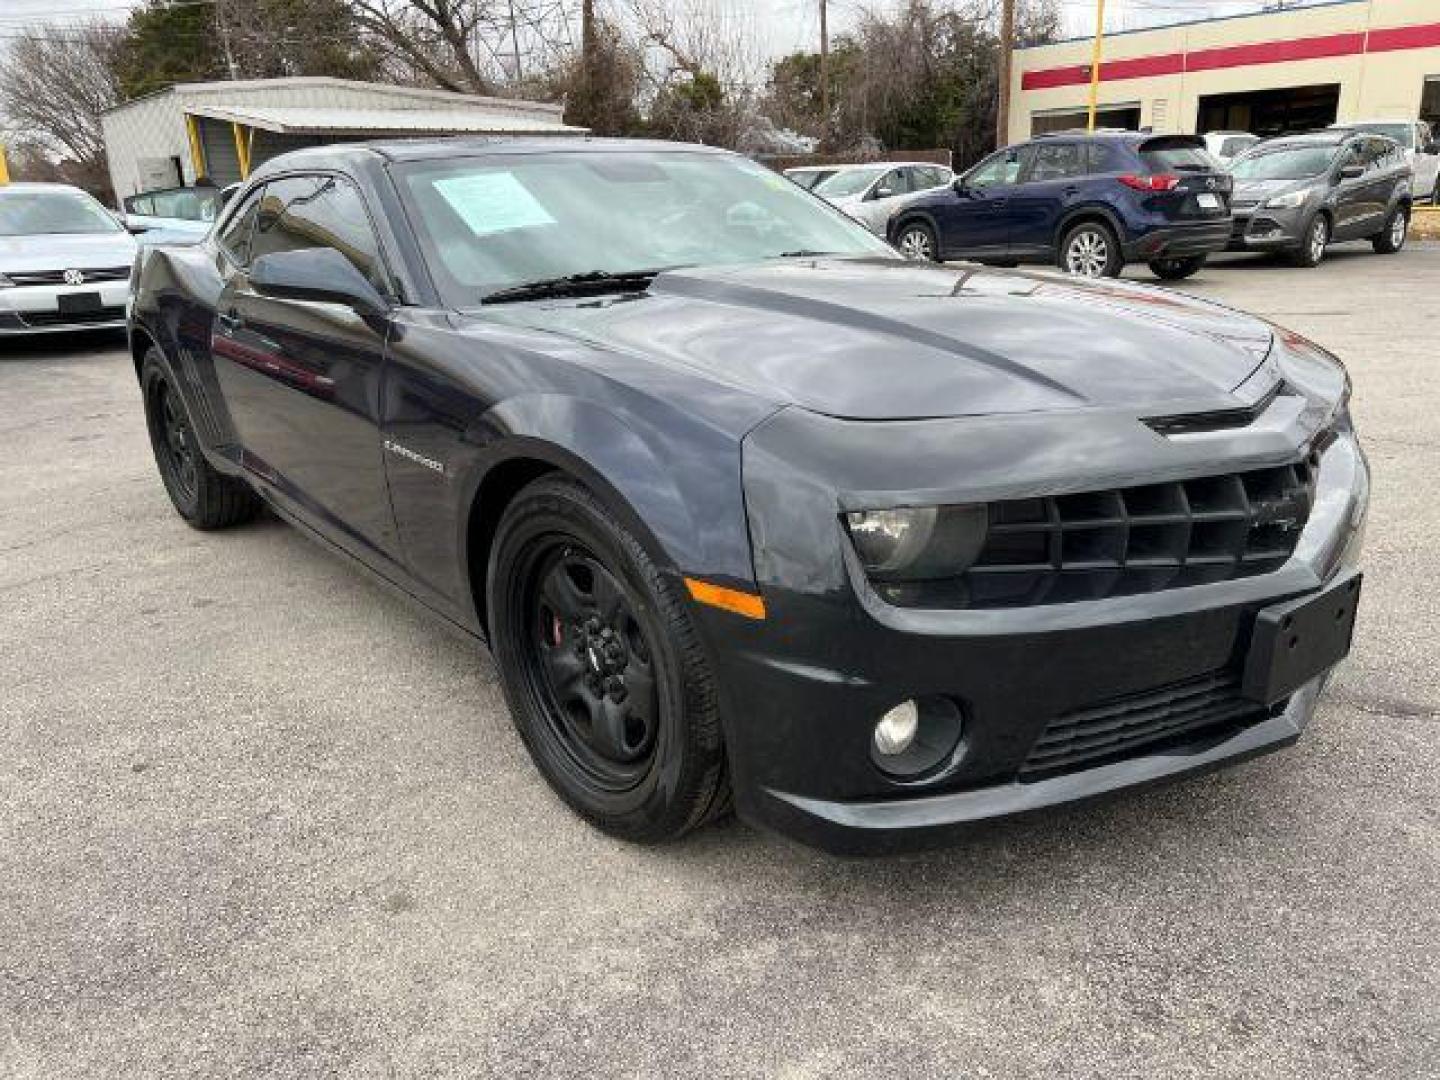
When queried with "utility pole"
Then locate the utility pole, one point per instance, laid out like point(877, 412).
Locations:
point(1095, 60)
point(1007, 56)
point(824, 77)
point(588, 51)
point(515, 41)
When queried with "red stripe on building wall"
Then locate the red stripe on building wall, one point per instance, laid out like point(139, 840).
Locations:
point(1420, 36)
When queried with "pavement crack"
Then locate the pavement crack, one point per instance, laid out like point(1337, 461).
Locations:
point(1388, 707)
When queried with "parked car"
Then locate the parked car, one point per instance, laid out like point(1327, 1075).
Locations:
point(64, 261)
point(1422, 152)
point(1089, 202)
point(879, 547)
point(871, 193)
point(173, 213)
point(1226, 146)
point(807, 176)
point(1300, 194)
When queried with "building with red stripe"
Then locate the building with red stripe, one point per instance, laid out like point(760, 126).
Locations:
point(1269, 73)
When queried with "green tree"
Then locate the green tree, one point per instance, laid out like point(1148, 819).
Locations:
point(166, 43)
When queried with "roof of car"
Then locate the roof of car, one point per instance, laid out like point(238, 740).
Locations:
point(38, 185)
point(1328, 137)
point(469, 146)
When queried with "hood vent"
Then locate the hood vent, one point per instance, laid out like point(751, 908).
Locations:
point(1216, 419)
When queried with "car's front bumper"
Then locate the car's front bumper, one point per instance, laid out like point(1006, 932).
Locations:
point(1265, 228)
point(35, 309)
point(1180, 241)
point(803, 689)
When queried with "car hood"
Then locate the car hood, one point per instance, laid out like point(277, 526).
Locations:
point(1260, 190)
point(62, 251)
point(889, 339)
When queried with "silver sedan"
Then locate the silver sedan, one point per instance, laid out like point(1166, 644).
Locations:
point(64, 261)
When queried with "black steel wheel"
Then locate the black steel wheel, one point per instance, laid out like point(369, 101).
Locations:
point(605, 677)
point(204, 497)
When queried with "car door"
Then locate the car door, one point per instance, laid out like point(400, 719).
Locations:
point(1372, 192)
point(1426, 163)
point(1350, 199)
point(302, 378)
point(1049, 183)
point(973, 221)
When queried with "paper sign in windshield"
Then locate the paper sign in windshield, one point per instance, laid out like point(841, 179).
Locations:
point(492, 202)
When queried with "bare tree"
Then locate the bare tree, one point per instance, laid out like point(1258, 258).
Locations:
point(53, 88)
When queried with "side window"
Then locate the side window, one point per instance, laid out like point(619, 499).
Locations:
point(892, 183)
point(1001, 168)
point(301, 212)
point(142, 205)
point(1101, 157)
point(235, 237)
point(1056, 161)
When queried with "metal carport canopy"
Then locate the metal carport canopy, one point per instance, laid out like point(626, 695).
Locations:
point(300, 119)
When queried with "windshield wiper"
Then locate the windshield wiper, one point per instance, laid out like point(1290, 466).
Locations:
point(591, 281)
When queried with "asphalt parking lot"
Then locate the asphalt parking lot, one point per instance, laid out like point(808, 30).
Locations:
point(258, 817)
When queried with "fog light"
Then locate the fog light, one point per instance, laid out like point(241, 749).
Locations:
point(920, 740)
point(896, 729)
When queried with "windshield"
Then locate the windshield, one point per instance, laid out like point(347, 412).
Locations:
point(808, 178)
point(33, 213)
point(1284, 163)
point(849, 182)
point(490, 224)
point(1404, 134)
point(186, 204)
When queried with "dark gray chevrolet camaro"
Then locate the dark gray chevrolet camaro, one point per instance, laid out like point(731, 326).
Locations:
point(750, 508)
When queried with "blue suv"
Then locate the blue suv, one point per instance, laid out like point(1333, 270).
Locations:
point(1088, 201)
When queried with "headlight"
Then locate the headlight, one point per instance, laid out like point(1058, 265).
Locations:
point(1290, 200)
point(918, 543)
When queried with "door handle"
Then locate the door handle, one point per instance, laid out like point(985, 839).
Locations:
point(1070, 189)
point(228, 320)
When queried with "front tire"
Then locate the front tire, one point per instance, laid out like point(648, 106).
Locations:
point(1389, 240)
point(605, 677)
point(916, 240)
point(1311, 252)
point(1176, 269)
point(204, 497)
point(1091, 250)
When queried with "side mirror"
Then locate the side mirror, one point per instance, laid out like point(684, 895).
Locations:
point(960, 186)
point(321, 274)
point(1351, 172)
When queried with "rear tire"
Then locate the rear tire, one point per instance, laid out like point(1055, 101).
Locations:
point(916, 240)
point(1091, 250)
point(1389, 240)
point(605, 677)
point(204, 497)
point(1177, 269)
point(1311, 252)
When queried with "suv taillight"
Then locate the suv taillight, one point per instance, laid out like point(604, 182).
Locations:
point(1153, 182)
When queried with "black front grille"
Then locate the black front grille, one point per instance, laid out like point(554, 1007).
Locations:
point(1097, 544)
point(57, 277)
point(1141, 723)
point(71, 318)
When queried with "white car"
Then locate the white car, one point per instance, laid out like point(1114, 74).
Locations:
point(807, 176)
point(1226, 146)
point(1421, 150)
point(173, 214)
point(64, 261)
point(871, 193)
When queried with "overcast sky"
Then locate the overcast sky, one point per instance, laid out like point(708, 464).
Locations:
point(781, 26)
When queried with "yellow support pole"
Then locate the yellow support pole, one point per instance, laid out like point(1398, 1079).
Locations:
point(1095, 60)
point(4, 166)
point(242, 149)
point(197, 149)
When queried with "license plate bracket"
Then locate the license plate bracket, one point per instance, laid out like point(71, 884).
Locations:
point(1295, 641)
point(80, 303)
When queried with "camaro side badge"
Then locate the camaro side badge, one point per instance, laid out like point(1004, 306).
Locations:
point(411, 455)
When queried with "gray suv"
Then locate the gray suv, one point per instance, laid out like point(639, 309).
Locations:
point(1299, 194)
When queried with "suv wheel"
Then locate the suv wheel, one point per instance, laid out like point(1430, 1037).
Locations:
point(1311, 251)
point(1391, 239)
point(917, 241)
point(1176, 269)
point(1091, 250)
point(603, 670)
